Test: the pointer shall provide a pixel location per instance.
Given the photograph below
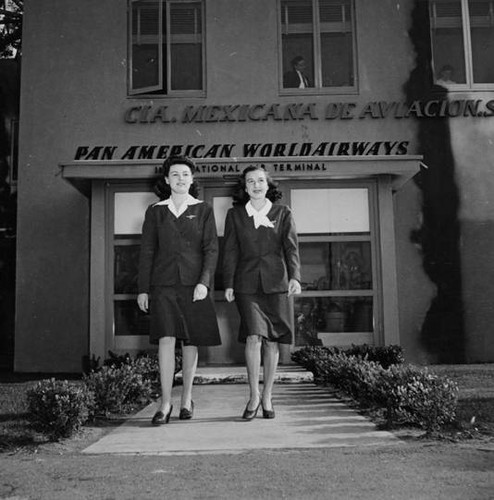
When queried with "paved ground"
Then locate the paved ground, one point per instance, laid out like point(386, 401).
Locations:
point(306, 417)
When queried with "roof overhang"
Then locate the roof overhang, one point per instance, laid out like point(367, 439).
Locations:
point(398, 168)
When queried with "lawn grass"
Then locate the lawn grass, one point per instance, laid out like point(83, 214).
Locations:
point(476, 394)
point(15, 428)
point(476, 378)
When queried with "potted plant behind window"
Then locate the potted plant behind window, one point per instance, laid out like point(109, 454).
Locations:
point(335, 318)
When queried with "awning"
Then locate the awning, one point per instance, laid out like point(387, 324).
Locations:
point(398, 168)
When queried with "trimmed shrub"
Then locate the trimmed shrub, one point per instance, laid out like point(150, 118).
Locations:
point(427, 400)
point(116, 360)
point(358, 378)
point(59, 408)
point(148, 358)
point(305, 354)
point(406, 393)
point(386, 356)
point(145, 363)
point(310, 358)
point(118, 389)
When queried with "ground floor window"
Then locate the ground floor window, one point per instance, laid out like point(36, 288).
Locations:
point(336, 228)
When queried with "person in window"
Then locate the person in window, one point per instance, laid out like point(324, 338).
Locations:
point(296, 78)
point(446, 76)
point(261, 270)
point(179, 252)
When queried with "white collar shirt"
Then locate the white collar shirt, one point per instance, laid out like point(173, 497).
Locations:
point(260, 216)
point(190, 200)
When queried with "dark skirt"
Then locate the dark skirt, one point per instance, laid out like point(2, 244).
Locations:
point(264, 314)
point(173, 314)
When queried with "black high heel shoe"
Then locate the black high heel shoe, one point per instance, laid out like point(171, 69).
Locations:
point(186, 414)
point(160, 418)
point(267, 413)
point(250, 414)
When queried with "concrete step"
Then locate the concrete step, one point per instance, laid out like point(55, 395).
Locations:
point(238, 375)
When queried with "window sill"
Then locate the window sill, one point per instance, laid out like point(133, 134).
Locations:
point(174, 95)
point(319, 91)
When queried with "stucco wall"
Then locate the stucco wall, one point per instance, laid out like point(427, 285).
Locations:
point(473, 148)
point(70, 71)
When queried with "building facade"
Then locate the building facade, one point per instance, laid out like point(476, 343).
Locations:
point(376, 119)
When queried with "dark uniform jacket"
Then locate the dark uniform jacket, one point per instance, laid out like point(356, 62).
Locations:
point(265, 256)
point(178, 250)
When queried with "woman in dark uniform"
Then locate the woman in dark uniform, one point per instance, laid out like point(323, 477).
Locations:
point(261, 270)
point(179, 251)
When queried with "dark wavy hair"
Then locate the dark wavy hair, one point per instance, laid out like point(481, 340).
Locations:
point(240, 196)
point(162, 189)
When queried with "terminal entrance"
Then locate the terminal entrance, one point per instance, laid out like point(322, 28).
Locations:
point(337, 226)
point(344, 213)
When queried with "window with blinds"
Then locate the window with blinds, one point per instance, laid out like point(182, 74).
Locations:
point(166, 47)
point(318, 44)
point(462, 35)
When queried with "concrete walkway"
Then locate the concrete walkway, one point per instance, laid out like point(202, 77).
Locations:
point(307, 416)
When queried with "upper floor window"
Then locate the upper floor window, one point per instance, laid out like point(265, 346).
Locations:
point(318, 44)
point(462, 34)
point(166, 47)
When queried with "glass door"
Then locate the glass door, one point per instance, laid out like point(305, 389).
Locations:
point(219, 196)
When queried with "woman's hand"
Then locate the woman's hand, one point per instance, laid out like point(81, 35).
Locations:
point(143, 302)
point(294, 287)
point(229, 295)
point(200, 292)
